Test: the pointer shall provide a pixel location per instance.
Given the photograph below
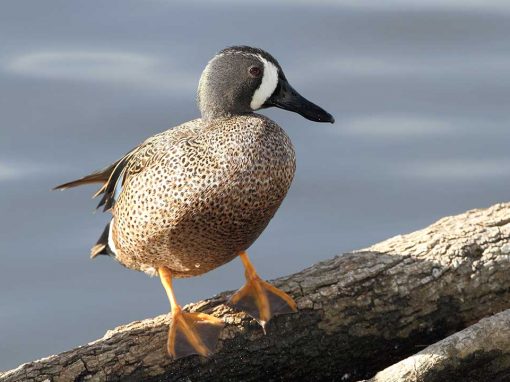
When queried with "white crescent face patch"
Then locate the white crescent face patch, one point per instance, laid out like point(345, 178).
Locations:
point(267, 86)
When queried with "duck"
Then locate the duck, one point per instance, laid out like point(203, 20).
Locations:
point(196, 196)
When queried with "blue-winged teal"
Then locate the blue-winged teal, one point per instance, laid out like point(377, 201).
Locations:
point(196, 196)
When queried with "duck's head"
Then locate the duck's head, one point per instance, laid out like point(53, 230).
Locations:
point(241, 79)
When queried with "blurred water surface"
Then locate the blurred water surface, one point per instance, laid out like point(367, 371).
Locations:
point(420, 92)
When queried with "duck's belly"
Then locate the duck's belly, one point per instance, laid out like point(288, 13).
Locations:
point(194, 222)
point(210, 233)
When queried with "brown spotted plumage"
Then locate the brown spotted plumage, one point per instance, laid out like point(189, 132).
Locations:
point(198, 195)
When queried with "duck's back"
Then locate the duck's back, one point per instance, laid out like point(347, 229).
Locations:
point(196, 195)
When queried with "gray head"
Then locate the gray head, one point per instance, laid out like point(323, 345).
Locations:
point(241, 79)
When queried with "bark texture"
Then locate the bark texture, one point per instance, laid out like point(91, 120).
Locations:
point(358, 313)
point(476, 354)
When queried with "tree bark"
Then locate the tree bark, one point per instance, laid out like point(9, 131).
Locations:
point(476, 354)
point(358, 313)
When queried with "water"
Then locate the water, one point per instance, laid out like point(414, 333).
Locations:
point(419, 90)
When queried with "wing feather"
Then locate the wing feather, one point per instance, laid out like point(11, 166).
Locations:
point(111, 177)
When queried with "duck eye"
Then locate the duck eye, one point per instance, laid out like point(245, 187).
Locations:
point(255, 71)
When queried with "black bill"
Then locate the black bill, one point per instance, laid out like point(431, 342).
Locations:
point(285, 97)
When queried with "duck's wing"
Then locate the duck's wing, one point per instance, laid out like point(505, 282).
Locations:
point(135, 161)
point(112, 178)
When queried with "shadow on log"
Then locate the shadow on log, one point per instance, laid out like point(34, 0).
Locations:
point(358, 314)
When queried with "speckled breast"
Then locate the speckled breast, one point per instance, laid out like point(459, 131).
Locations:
point(199, 194)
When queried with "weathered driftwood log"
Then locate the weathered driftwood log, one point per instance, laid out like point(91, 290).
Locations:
point(476, 354)
point(358, 313)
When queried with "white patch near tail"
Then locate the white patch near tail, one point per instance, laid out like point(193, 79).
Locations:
point(111, 244)
point(267, 86)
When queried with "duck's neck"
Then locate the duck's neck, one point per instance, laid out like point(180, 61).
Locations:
point(211, 115)
point(214, 103)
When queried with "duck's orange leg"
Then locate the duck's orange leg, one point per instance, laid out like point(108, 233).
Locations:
point(189, 333)
point(258, 298)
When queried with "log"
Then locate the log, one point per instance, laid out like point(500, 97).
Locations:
point(476, 354)
point(358, 313)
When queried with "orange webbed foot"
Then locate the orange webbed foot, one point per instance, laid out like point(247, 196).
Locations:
point(189, 333)
point(260, 299)
point(193, 333)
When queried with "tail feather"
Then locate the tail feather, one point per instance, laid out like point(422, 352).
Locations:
point(100, 176)
point(112, 177)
